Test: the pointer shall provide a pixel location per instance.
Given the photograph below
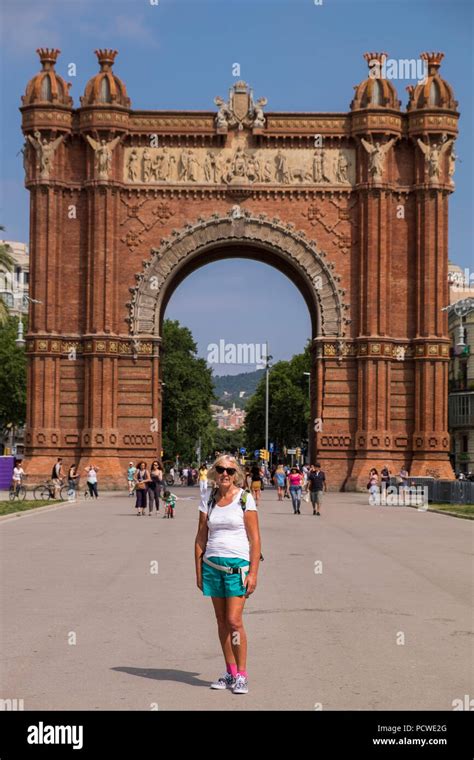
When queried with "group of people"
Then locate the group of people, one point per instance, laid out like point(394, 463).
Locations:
point(292, 482)
point(73, 477)
point(377, 481)
point(147, 484)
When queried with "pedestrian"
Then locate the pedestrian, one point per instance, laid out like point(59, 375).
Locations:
point(190, 476)
point(256, 482)
point(154, 486)
point(57, 476)
point(131, 477)
point(72, 482)
point(316, 484)
point(17, 476)
point(227, 547)
point(170, 503)
point(280, 480)
point(385, 476)
point(203, 480)
point(92, 471)
point(295, 483)
point(142, 478)
point(403, 478)
point(373, 484)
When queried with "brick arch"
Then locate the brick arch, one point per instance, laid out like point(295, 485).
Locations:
point(219, 236)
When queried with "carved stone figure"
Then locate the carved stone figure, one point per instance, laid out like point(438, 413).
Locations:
point(259, 116)
point(253, 169)
point(146, 165)
point(433, 155)
point(193, 167)
point(224, 114)
point(239, 165)
point(208, 166)
point(45, 152)
point(342, 167)
point(283, 172)
point(132, 166)
point(103, 154)
point(267, 173)
point(183, 166)
point(377, 155)
point(164, 169)
point(318, 166)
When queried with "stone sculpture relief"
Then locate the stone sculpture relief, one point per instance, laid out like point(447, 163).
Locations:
point(103, 155)
point(191, 166)
point(377, 155)
point(433, 157)
point(44, 152)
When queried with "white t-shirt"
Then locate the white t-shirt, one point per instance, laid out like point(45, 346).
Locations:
point(92, 476)
point(18, 473)
point(227, 536)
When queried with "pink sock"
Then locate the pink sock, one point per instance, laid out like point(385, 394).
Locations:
point(242, 673)
point(232, 668)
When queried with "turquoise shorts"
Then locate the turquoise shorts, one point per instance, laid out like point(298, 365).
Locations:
point(217, 583)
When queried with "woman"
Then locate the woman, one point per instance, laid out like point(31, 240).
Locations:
point(227, 545)
point(154, 486)
point(256, 482)
point(203, 480)
point(280, 479)
point(72, 482)
point(295, 484)
point(142, 478)
point(17, 476)
point(373, 484)
point(92, 471)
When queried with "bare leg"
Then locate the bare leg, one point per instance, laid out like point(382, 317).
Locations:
point(220, 608)
point(238, 636)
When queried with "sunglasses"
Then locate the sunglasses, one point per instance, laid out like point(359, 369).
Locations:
point(228, 470)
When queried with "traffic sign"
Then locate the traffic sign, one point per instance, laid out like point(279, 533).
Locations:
point(271, 447)
point(257, 452)
point(243, 451)
point(291, 451)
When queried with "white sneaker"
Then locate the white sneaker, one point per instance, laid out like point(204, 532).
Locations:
point(241, 685)
point(226, 681)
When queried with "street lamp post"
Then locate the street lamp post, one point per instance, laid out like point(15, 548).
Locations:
point(308, 375)
point(267, 373)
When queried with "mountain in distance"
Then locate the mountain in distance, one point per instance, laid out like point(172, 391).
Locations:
point(236, 389)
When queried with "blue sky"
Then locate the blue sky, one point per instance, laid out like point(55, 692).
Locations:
point(179, 55)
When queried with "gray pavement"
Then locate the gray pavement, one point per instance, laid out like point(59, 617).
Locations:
point(332, 638)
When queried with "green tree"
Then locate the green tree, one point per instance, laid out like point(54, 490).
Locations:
point(187, 395)
point(288, 412)
point(229, 441)
point(7, 263)
point(12, 376)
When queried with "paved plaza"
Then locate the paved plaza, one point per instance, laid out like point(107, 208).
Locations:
point(365, 608)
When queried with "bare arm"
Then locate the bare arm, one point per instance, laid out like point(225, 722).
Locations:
point(253, 534)
point(200, 546)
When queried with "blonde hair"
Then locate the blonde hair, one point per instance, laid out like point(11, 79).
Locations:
point(239, 477)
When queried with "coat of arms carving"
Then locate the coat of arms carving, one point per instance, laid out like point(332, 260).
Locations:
point(241, 110)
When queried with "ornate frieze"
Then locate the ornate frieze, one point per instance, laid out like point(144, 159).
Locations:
point(240, 166)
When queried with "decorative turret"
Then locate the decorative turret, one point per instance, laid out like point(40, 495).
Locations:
point(47, 87)
point(433, 92)
point(376, 91)
point(105, 88)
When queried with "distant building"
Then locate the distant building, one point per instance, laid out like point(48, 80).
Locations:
point(229, 419)
point(461, 371)
point(14, 285)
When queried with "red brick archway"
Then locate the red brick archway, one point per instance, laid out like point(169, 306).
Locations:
point(125, 204)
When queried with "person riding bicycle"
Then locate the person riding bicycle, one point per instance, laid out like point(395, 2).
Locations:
point(17, 477)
